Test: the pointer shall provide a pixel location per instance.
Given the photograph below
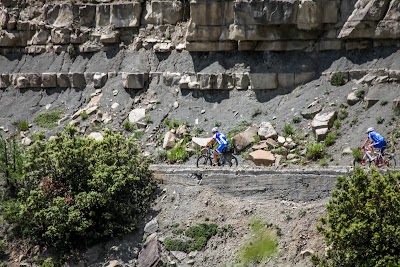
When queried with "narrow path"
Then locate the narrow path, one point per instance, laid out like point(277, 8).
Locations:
point(294, 184)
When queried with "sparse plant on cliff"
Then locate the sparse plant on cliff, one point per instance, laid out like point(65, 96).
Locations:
point(296, 119)
point(343, 113)
point(72, 51)
point(178, 153)
point(316, 151)
point(338, 79)
point(337, 123)
point(23, 126)
point(330, 139)
point(262, 245)
point(128, 126)
point(361, 227)
point(84, 115)
point(380, 120)
point(360, 93)
point(147, 119)
point(48, 119)
point(288, 130)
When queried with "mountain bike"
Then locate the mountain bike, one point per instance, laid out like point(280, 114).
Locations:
point(226, 158)
point(381, 160)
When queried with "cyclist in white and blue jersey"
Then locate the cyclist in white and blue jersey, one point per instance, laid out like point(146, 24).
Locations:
point(222, 141)
point(377, 141)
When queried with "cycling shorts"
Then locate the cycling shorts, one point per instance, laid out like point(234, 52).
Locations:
point(379, 144)
point(220, 148)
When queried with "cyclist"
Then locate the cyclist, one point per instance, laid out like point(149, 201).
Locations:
point(376, 141)
point(222, 141)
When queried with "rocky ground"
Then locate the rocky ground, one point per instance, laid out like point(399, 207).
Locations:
point(202, 109)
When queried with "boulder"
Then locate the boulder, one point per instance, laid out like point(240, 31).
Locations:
point(352, 99)
point(321, 133)
point(40, 38)
point(63, 80)
point(150, 254)
point(110, 38)
point(266, 131)
point(137, 114)
point(262, 157)
point(134, 80)
point(323, 120)
point(99, 79)
point(200, 142)
point(169, 140)
point(8, 39)
point(151, 226)
point(96, 135)
point(261, 146)
point(77, 80)
point(271, 143)
point(244, 139)
point(311, 111)
point(49, 80)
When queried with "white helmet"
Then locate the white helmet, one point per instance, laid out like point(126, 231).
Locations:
point(370, 129)
point(215, 129)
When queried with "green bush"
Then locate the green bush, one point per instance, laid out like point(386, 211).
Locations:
point(48, 263)
point(84, 115)
point(261, 246)
point(330, 139)
point(173, 124)
point(296, 119)
point(23, 126)
point(316, 151)
point(147, 119)
point(256, 139)
point(48, 119)
point(360, 93)
point(357, 154)
point(361, 227)
point(78, 189)
point(338, 79)
point(380, 120)
point(343, 113)
point(288, 129)
point(337, 124)
point(198, 236)
point(128, 126)
point(3, 248)
point(11, 163)
point(178, 154)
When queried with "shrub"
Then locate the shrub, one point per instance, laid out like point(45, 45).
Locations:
point(48, 263)
point(316, 151)
point(198, 237)
point(48, 119)
point(138, 134)
point(256, 139)
point(336, 124)
point(80, 189)
point(296, 119)
point(288, 129)
point(330, 139)
point(262, 245)
point(23, 126)
point(173, 124)
point(128, 126)
point(147, 119)
point(217, 124)
point(162, 155)
point(11, 163)
point(338, 79)
point(3, 247)
point(357, 154)
point(323, 162)
point(360, 93)
point(178, 154)
point(343, 113)
point(84, 115)
point(361, 227)
point(380, 120)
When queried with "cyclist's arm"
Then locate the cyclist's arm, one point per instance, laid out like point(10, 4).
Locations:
point(366, 141)
point(210, 142)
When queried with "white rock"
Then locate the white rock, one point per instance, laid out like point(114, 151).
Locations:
point(115, 105)
point(96, 135)
point(26, 141)
point(151, 226)
point(281, 140)
point(137, 114)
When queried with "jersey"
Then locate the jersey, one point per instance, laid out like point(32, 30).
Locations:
point(220, 138)
point(377, 138)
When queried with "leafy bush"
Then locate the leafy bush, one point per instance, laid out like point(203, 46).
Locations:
point(288, 129)
point(48, 119)
point(262, 245)
point(77, 188)
point(361, 227)
point(138, 134)
point(316, 151)
point(147, 119)
point(338, 79)
point(198, 237)
point(337, 124)
point(330, 139)
point(175, 123)
point(256, 139)
point(11, 163)
point(217, 124)
point(23, 126)
point(357, 154)
point(178, 153)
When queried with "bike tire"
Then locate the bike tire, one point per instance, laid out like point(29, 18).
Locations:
point(203, 161)
point(390, 160)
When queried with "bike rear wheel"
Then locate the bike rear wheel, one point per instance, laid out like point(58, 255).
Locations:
point(230, 160)
point(203, 161)
point(390, 160)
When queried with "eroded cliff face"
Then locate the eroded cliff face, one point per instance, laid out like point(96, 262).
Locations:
point(198, 25)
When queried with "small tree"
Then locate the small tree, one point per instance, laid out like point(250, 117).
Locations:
point(78, 189)
point(362, 226)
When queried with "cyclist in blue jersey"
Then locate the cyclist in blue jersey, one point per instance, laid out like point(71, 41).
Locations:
point(222, 141)
point(375, 141)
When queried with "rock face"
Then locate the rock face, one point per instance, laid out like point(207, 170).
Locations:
point(211, 26)
point(244, 139)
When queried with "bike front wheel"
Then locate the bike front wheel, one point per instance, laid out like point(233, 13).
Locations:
point(203, 161)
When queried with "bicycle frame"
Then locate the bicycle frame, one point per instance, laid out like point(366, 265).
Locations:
point(368, 154)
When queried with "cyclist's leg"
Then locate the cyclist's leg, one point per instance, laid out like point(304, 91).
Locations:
point(217, 152)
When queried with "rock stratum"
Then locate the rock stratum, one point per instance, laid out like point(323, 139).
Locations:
point(199, 25)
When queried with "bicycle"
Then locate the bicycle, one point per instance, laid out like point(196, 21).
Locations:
point(387, 160)
point(226, 158)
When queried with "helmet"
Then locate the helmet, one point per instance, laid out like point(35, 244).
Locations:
point(215, 129)
point(370, 129)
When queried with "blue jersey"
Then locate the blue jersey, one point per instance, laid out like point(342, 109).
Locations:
point(220, 138)
point(377, 138)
